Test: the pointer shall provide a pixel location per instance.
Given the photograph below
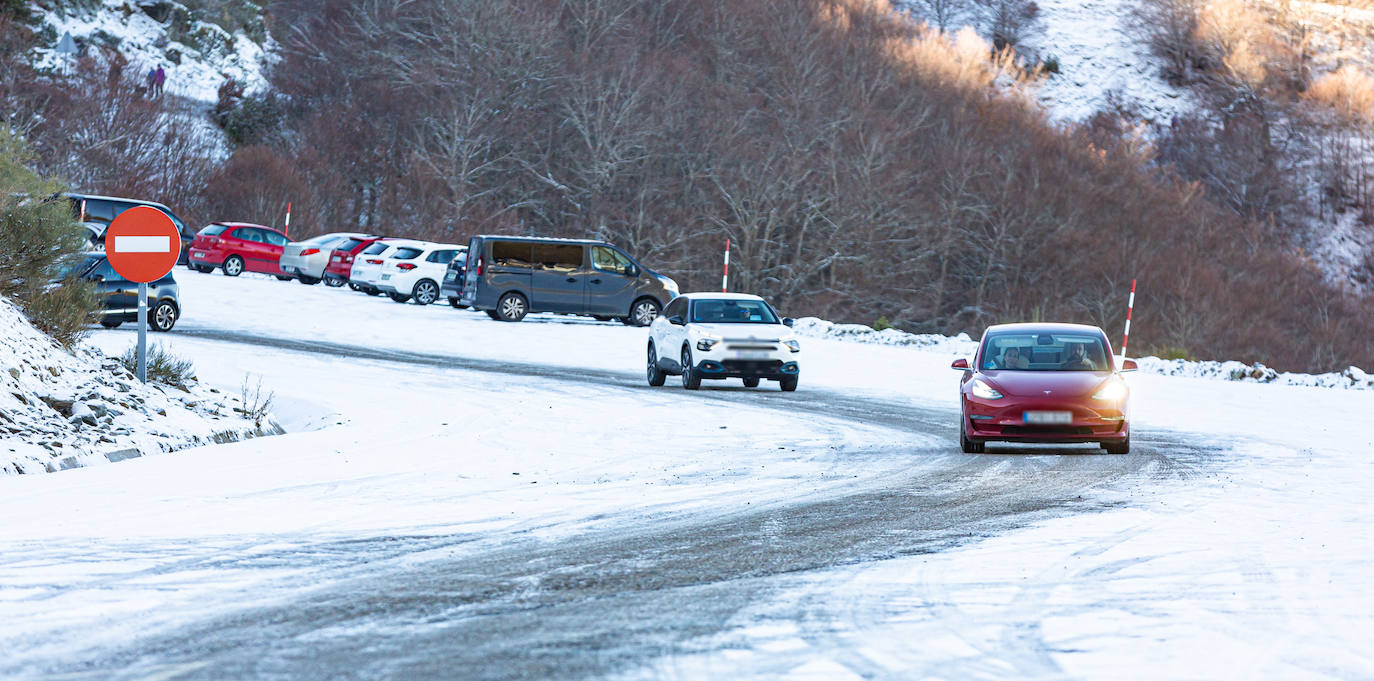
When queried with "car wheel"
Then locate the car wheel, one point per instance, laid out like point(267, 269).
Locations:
point(308, 281)
point(111, 325)
point(1122, 447)
point(969, 446)
point(788, 383)
point(493, 315)
point(751, 382)
point(691, 380)
point(233, 266)
point(398, 297)
point(655, 375)
point(283, 277)
point(333, 282)
point(163, 317)
point(426, 292)
point(355, 287)
point(512, 307)
point(371, 291)
point(203, 269)
point(456, 305)
point(601, 318)
point(644, 311)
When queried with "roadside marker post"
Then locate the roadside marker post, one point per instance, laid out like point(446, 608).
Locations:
point(142, 245)
point(725, 277)
point(287, 228)
point(1130, 305)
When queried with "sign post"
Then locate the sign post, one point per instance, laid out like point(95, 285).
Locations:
point(142, 245)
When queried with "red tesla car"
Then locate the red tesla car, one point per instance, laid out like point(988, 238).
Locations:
point(341, 260)
point(238, 247)
point(1044, 383)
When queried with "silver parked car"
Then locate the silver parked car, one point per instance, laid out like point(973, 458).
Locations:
point(306, 260)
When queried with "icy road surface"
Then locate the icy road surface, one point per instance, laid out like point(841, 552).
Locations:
point(460, 498)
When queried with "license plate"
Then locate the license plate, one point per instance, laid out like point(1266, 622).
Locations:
point(450, 276)
point(745, 354)
point(198, 256)
point(385, 277)
point(1049, 417)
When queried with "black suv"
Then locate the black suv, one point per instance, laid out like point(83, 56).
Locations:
point(119, 296)
point(102, 210)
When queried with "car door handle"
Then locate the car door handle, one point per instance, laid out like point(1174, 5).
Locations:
point(572, 280)
point(596, 281)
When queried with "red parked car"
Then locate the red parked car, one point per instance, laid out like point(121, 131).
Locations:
point(341, 260)
point(1044, 383)
point(238, 247)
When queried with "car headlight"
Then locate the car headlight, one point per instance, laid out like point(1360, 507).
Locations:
point(792, 344)
point(1113, 390)
point(670, 285)
point(706, 342)
point(984, 391)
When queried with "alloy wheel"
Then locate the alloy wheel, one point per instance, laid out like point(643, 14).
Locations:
point(426, 292)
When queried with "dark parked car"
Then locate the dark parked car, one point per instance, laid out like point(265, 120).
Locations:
point(509, 277)
point(100, 211)
point(120, 296)
point(452, 288)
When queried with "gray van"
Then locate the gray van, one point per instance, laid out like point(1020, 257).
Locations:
point(508, 277)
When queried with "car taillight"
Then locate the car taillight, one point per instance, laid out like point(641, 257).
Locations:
point(373, 262)
point(406, 266)
point(348, 257)
point(481, 262)
point(309, 251)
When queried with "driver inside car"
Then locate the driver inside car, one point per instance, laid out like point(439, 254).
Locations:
point(1077, 359)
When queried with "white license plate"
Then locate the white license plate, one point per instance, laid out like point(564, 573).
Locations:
point(198, 256)
point(1047, 418)
point(745, 354)
point(385, 277)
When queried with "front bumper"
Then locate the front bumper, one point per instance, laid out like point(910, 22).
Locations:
point(1007, 420)
point(772, 369)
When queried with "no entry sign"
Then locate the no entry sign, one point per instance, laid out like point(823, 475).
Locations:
point(142, 244)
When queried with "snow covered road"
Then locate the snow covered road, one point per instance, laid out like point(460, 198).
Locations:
point(455, 501)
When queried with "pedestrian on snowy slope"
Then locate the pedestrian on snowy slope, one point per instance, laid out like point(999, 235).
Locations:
point(159, 79)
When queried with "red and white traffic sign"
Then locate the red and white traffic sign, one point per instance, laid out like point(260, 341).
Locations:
point(142, 244)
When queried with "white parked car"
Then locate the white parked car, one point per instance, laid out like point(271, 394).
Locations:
point(306, 260)
point(367, 266)
point(406, 274)
point(722, 335)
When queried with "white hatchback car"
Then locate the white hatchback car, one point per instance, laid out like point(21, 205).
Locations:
point(722, 335)
point(367, 266)
point(407, 275)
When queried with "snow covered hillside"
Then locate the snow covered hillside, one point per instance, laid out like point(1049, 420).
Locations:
point(197, 54)
point(62, 409)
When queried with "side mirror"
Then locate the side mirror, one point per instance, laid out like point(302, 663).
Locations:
point(675, 320)
point(788, 321)
point(961, 364)
point(632, 271)
point(97, 278)
point(1129, 365)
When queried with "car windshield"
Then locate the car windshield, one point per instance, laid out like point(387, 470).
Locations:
point(324, 240)
point(212, 230)
point(1045, 352)
point(77, 264)
point(732, 312)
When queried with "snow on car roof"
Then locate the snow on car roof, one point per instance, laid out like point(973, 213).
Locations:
point(704, 295)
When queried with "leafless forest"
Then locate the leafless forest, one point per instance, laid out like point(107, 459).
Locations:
point(862, 165)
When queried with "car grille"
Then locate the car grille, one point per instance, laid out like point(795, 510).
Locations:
point(1046, 430)
point(751, 348)
point(753, 366)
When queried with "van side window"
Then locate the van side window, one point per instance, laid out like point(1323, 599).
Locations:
point(610, 260)
point(558, 257)
point(510, 254)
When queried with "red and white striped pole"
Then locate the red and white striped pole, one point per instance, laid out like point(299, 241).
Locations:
point(287, 229)
point(1130, 305)
point(725, 277)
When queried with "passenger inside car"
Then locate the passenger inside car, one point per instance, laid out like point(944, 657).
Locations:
point(1012, 358)
point(1077, 359)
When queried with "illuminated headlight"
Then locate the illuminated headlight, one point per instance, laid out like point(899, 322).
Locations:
point(1111, 391)
point(670, 285)
point(984, 391)
point(793, 344)
point(707, 342)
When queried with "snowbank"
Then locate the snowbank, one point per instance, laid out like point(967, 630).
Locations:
point(61, 409)
point(961, 345)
